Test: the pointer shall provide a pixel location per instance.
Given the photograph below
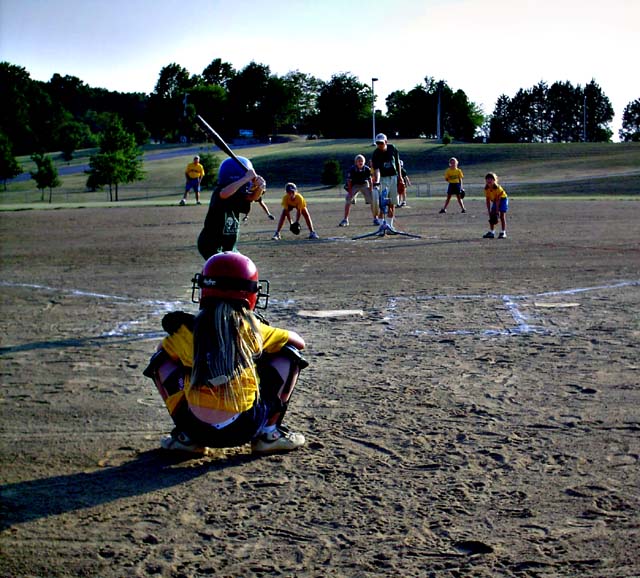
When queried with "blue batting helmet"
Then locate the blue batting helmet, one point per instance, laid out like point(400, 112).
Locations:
point(230, 170)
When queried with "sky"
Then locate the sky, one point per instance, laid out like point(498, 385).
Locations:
point(484, 47)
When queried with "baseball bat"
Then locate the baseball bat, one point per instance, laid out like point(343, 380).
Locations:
point(223, 146)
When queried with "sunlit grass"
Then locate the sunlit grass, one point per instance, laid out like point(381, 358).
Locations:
point(531, 169)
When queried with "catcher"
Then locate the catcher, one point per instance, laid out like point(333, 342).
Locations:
point(226, 376)
point(292, 199)
point(233, 195)
point(497, 206)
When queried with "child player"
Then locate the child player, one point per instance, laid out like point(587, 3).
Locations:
point(497, 206)
point(292, 199)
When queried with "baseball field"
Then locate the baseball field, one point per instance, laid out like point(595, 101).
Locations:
point(470, 408)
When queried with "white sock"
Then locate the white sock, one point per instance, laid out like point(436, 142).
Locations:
point(268, 429)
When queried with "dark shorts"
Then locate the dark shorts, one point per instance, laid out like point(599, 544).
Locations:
point(454, 189)
point(192, 184)
point(502, 206)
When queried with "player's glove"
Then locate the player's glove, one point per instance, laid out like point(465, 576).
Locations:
point(295, 228)
point(493, 218)
point(462, 194)
point(171, 322)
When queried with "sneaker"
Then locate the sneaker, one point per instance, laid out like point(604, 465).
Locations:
point(443, 211)
point(344, 223)
point(182, 202)
point(181, 442)
point(276, 237)
point(198, 203)
point(281, 440)
point(271, 217)
point(489, 235)
point(313, 235)
point(502, 235)
point(463, 211)
point(353, 201)
point(245, 218)
point(376, 221)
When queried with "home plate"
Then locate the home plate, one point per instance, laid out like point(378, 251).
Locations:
point(550, 305)
point(331, 313)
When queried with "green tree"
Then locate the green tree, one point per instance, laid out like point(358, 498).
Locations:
point(331, 173)
point(305, 89)
point(9, 166)
point(500, 125)
point(599, 113)
point(630, 130)
point(248, 92)
point(45, 175)
point(344, 107)
point(166, 103)
point(27, 115)
point(73, 135)
point(210, 163)
point(117, 161)
point(218, 73)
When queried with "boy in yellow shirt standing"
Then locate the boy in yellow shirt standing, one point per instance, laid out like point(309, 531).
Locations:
point(193, 174)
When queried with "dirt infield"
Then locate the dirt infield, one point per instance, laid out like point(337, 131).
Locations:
point(473, 413)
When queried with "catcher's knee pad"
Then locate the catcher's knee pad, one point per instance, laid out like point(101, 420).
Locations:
point(278, 375)
point(166, 373)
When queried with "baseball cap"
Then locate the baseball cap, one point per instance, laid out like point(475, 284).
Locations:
point(290, 187)
point(381, 137)
point(196, 157)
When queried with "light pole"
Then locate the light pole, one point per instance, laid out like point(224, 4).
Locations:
point(373, 109)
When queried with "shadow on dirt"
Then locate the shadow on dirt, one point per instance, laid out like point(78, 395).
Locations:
point(150, 471)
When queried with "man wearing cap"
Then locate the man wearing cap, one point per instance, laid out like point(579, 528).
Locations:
point(385, 165)
point(193, 173)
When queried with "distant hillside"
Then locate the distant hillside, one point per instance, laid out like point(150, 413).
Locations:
point(525, 169)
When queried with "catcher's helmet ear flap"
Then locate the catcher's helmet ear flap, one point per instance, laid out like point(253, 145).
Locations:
point(229, 276)
point(230, 170)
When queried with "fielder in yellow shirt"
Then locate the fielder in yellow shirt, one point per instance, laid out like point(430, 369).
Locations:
point(193, 174)
point(453, 175)
point(497, 206)
point(292, 199)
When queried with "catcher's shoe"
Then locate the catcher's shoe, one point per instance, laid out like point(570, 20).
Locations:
point(489, 235)
point(280, 440)
point(179, 441)
point(502, 235)
point(344, 223)
point(276, 237)
point(313, 235)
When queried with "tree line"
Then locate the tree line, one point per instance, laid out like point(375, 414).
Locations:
point(65, 114)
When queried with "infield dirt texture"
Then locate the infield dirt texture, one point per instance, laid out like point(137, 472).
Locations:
point(478, 418)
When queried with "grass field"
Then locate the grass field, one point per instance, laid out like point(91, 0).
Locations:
point(585, 169)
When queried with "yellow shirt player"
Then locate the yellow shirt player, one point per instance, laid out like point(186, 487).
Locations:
point(497, 206)
point(193, 175)
point(292, 199)
point(454, 176)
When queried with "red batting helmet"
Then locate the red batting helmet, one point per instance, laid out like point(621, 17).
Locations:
point(230, 276)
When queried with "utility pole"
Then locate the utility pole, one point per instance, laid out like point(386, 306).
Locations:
point(373, 110)
point(584, 120)
point(438, 131)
